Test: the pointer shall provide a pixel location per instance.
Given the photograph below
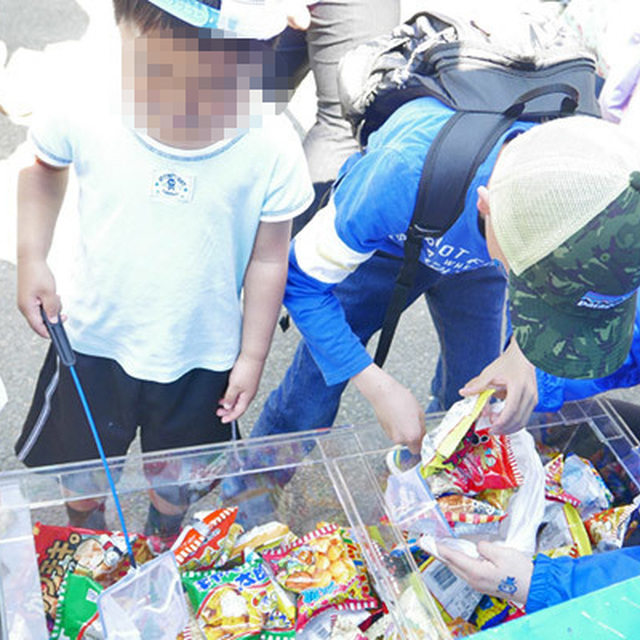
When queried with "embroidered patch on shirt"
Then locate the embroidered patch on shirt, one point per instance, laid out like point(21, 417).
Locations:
point(169, 186)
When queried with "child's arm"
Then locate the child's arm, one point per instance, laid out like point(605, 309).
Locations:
point(264, 284)
point(397, 410)
point(41, 190)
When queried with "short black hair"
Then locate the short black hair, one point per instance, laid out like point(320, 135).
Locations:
point(147, 17)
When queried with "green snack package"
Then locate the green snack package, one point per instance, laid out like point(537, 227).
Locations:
point(243, 602)
point(77, 614)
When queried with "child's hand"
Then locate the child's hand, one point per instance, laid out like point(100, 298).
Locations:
point(515, 379)
point(37, 288)
point(243, 386)
point(397, 410)
point(500, 571)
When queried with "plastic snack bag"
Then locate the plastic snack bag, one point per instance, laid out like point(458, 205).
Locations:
point(463, 457)
point(581, 480)
point(147, 604)
point(326, 570)
point(77, 614)
point(210, 527)
point(608, 529)
point(243, 602)
point(412, 506)
point(564, 534)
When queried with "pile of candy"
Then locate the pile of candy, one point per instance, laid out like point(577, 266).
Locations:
point(473, 475)
point(272, 584)
point(263, 583)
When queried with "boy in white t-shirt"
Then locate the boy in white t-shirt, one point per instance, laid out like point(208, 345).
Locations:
point(181, 209)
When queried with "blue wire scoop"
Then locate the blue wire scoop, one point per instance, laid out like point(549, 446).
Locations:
point(148, 603)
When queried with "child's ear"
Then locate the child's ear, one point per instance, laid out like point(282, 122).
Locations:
point(483, 202)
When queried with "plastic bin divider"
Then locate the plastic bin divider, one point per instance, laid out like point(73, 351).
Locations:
point(23, 617)
point(389, 592)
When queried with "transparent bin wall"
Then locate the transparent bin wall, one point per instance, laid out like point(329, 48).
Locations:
point(296, 476)
point(589, 428)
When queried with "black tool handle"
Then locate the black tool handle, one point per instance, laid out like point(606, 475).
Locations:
point(59, 339)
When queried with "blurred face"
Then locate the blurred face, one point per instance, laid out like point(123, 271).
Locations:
point(183, 91)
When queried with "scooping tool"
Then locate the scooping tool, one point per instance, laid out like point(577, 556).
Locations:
point(148, 603)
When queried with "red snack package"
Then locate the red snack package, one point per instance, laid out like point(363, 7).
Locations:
point(55, 550)
point(553, 482)
point(213, 552)
point(481, 461)
point(100, 555)
point(211, 527)
point(325, 569)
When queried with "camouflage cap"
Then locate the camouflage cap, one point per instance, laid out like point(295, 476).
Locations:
point(573, 311)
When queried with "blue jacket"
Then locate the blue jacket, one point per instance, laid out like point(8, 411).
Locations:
point(555, 580)
point(370, 211)
point(554, 392)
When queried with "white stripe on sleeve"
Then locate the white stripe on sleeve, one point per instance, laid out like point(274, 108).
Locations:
point(320, 251)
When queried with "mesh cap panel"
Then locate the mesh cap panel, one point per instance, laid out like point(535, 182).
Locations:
point(552, 180)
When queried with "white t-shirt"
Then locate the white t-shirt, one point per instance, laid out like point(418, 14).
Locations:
point(165, 236)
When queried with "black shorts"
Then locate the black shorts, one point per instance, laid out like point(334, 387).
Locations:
point(172, 415)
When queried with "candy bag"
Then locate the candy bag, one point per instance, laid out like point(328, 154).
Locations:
point(55, 549)
point(462, 456)
point(463, 509)
point(77, 611)
point(213, 552)
point(263, 537)
point(326, 570)
point(440, 444)
point(564, 534)
point(242, 602)
point(607, 529)
point(581, 480)
point(553, 482)
point(493, 611)
point(211, 527)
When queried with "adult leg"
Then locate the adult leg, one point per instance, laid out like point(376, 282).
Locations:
point(336, 27)
point(467, 310)
point(292, 57)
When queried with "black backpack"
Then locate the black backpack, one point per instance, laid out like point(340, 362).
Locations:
point(490, 83)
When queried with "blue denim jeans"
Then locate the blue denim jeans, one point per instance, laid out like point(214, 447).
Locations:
point(467, 311)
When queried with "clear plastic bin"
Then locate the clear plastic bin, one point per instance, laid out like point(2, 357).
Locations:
point(337, 475)
point(303, 477)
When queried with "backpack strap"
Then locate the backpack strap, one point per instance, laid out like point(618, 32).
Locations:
point(457, 151)
point(455, 154)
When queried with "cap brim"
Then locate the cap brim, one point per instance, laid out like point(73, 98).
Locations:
point(590, 345)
